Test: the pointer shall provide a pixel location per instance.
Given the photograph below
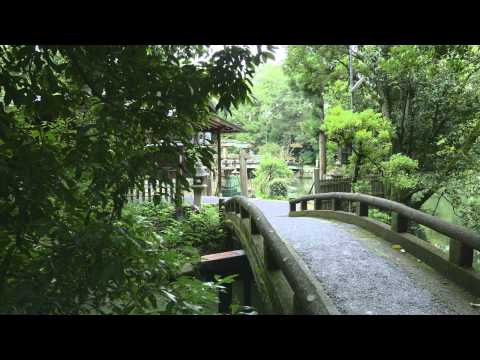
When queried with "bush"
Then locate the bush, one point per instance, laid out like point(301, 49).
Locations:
point(269, 169)
point(270, 150)
point(362, 186)
point(278, 189)
point(382, 216)
point(201, 230)
point(129, 266)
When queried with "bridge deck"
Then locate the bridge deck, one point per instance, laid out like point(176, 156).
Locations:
point(362, 273)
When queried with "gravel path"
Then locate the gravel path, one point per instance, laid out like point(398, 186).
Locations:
point(362, 273)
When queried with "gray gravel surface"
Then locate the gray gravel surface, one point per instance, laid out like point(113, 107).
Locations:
point(362, 273)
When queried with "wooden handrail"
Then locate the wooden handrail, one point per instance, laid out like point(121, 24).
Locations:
point(308, 298)
point(460, 253)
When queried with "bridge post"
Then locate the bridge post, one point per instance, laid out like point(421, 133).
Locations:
point(300, 305)
point(318, 204)
point(243, 213)
point(225, 299)
point(336, 204)
point(460, 254)
point(268, 258)
point(316, 180)
point(304, 205)
point(362, 209)
point(399, 223)
point(247, 291)
point(293, 207)
point(221, 209)
point(253, 227)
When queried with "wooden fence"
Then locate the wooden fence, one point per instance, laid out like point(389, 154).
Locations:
point(145, 194)
point(344, 184)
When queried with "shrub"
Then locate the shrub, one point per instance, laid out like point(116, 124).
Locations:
point(382, 216)
point(201, 230)
point(270, 149)
point(278, 189)
point(269, 169)
point(129, 266)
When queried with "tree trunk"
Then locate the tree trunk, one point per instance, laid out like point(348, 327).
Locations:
point(356, 168)
point(322, 142)
point(322, 154)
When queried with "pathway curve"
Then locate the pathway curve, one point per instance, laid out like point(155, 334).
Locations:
point(361, 272)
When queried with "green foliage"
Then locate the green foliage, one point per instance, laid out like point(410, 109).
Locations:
point(462, 191)
point(370, 136)
point(379, 215)
point(277, 114)
point(201, 229)
point(369, 133)
point(361, 186)
point(278, 189)
point(429, 93)
point(270, 169)
point(270, 149)
point(123, 268)
point(401, 172)
point(74, 125)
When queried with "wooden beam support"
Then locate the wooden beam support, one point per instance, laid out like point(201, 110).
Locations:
point(362, 209)
point(219, 164)
point(243, 173)
point(460, 254)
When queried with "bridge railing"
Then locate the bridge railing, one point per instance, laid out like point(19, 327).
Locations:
point(308, 298)
point(462, 240)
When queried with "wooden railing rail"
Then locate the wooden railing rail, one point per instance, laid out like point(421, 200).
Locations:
point(462, 240)
point(308, 298)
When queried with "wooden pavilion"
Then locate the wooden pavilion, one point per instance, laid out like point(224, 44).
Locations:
point(217, 126)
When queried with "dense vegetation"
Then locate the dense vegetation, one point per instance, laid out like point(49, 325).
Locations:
point(428, 94)
point(74, 125)
point(277, 115)
point(415, 121)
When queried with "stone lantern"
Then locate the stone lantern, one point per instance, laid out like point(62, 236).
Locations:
point(199, 184)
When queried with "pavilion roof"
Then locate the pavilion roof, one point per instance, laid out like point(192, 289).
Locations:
point(217, 124)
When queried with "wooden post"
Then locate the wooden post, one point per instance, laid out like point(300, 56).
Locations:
point(322, 154)
point(209, 184)
point(243, 213)
point(225, 299)
point(362, 209)
point(219, 164)
point(243, 173)
point(149, 191)
point(253, 227)
point(460, 254)
point(178, 198)
point(336, 204)
point(247, 290)
point(316, 179)
point(293, 207)
point(399, 223)
point(304, 205)
point(268, 258)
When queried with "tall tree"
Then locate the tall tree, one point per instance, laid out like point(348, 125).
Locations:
point(277, 113)
point(74, 125)
point(310, 69)
point(428, 93)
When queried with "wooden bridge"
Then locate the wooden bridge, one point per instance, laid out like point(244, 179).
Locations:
point(312, 255)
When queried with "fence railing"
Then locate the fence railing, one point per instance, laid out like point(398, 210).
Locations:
point(463, 241)
point(344, 184)
point(151, 188)
point(308, 297)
